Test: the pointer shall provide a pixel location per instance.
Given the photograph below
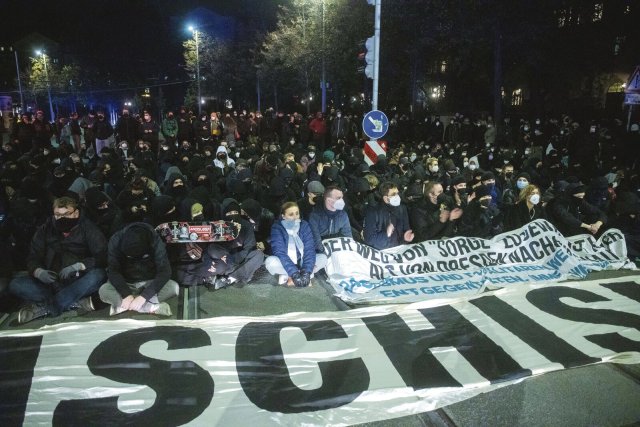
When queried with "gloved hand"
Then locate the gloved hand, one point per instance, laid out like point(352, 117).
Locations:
point(45, 276)
point(71, 270)
point(301, 279)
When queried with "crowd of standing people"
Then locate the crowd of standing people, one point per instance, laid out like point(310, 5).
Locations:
point(81, 197)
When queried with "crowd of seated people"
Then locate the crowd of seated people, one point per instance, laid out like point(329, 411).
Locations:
point(78, 215)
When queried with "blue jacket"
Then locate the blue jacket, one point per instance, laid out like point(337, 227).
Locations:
point(327, 224)
point(280, 246)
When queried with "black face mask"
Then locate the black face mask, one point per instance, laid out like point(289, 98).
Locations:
point(66, 224)
point(462, 191)
point(485, 203)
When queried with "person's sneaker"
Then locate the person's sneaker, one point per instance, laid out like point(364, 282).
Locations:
point(161, 309)
point(222, 282)
point(31, 312)
point(115, 310)
point(85, 305)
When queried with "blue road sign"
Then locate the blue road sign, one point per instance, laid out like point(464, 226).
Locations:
point(375, 124)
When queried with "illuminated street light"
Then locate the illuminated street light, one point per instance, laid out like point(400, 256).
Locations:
point(195, 35)
point(46, 74)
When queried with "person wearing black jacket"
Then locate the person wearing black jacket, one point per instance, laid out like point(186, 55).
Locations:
point(386, 224)
point(573, 215)
point(139, 274)
point(65, 264)
point(127, 128)
point(432, 217)
point(480, 219)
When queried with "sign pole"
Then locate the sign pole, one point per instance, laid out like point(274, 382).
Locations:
point(376, 57)
point(629, 117)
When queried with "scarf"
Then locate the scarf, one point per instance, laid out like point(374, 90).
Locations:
point(295, 244)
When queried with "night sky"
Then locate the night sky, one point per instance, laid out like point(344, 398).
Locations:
point(143, 36)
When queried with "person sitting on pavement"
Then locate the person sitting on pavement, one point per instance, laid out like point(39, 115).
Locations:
point(528, 208)
point(314, 193)
point(65, 264)
point(329, 219)
point(139, 272)
point(294, 245)
point(242, 258)
point(432, 217)
point(386, 225)
point(573, 215)
point(480, 219)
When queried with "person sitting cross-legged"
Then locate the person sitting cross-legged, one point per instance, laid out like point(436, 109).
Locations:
point(66, 264)
point(294, 245)
point(139, 272)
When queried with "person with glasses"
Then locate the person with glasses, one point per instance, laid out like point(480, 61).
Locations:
point(66, 264)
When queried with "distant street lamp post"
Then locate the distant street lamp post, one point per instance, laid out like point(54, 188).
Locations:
point(46, 74)
point(195, 35)
point(323, 84)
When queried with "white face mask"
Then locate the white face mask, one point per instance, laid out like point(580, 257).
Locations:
point(472, 167)
point(338, 115)
point(434, 168)
point(413, 157)
point(465, 164)
point(534, 199)
point(395, 200)
point(312, 154)
point(339, 204)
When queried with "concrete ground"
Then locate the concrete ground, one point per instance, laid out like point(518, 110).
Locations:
point(599, 395)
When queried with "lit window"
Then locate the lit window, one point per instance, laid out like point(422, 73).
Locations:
point(503, 94)
point(597, 12)
point(443, 66)
point(516, 97)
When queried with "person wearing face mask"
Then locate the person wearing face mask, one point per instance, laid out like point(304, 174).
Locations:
point(528, 208)
point(66, 264)
point(513, 187)
point(103, 131)
point(139, 272)
point(432, 217)
point(149, 131)
point(103, 211)
point(329, 219)
point(433, 170)
point(339, 127)
point(573, 215)
point(480, 219)
point(314, 194)
point(458, 193)
point(294, 244)
point(308, 160)
point(488, 179)
point(127, 128)
point(222, 161)
point(170, 128)
point(386, 225)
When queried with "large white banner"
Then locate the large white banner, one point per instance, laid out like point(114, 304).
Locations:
point(461, 266)
point(316, 369)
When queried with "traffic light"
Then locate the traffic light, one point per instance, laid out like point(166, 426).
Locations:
point(367, 54)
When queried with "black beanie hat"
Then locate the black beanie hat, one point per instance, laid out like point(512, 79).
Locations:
point(136, 241)
point(458, 179)
point(252, 208)
point(481, 191)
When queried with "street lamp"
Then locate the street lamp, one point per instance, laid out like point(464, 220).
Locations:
point(323, 83)
point(46, 74)
point(195, 35)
